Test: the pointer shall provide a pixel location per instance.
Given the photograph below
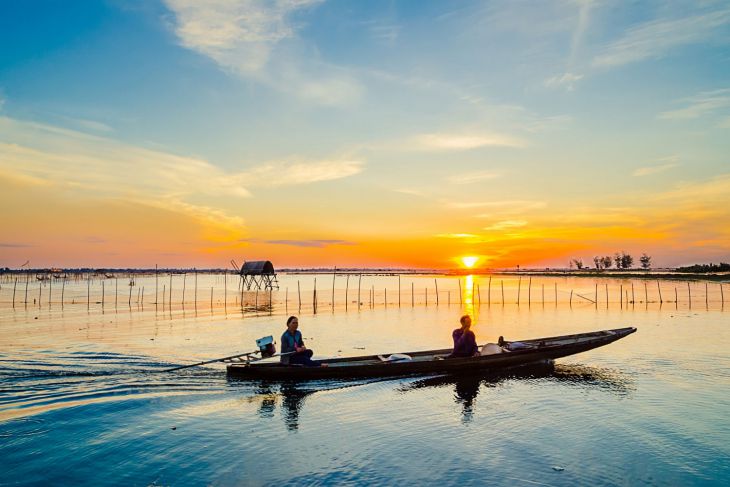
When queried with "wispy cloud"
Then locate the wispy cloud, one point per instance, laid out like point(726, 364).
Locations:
point(313, 243)
point(514, 205)
point(457, 235)
point(288, 174)
point(12, 245)
point(657, 168)
point(657, 38)
point(460, 142)
point(257, 39)
point(566, 81)
point(409, 191)
point(98, 166)
point(236, 34)
point(505, 225)
point(699, 105)
point(472, 177)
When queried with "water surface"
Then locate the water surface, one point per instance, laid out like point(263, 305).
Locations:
point(82, 399)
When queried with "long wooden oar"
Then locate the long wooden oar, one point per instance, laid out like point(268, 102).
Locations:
point(211, 361)
point(222, 359)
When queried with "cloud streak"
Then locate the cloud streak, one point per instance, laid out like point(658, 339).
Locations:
point(257, 39)
point(462, 142)
point(699, 105)
point(655, 39)
point(312, 243)
point(472, 177)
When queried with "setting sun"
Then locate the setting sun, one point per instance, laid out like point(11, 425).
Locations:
point(469, 261)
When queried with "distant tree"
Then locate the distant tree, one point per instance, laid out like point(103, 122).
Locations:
point(627, 262)
point(607, 262)
point(598, 262)
point(722, 267)
point(645, 261)
point(578, 263)
point(617, 260)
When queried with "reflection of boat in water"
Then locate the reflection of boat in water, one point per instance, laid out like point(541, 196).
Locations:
point(467, 387)
point(433, 361)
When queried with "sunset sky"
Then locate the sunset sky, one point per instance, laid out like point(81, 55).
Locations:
point(363, 133)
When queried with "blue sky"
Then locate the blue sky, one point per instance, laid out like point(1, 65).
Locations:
point(441, 123)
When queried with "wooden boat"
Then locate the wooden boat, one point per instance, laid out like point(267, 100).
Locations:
point(432, 361)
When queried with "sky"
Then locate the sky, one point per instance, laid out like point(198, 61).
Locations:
point(319, 133)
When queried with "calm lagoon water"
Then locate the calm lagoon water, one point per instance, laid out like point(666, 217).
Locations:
point(82, 399)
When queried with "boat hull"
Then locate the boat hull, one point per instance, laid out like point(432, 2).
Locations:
point(432, 361)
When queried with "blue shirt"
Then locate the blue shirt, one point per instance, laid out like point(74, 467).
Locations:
point(288, 341)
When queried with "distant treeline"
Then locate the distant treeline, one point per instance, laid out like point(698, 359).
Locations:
point(722, 267)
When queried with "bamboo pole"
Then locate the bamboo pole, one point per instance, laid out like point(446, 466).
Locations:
point(116, 291)
point(501, 282)
point(555, 288)
point(102, 293)
point(722, 296)
point(27, 277)
point(529, 292)
point(170, 300)
point(225, 291)
point(14, 286)
point(436, 283)
point(689, 294)
point(156, 279)
point(141, 300)
point(621, 295)
point(314, 296)
point(543, 294)
point(211, 299)
point(299, 294)
point(596, 290)
point(195, 292)
point(426, 296)
point(359, 285)
point(675, 297)
point(489, 292)
point(479, 294)
point(706, 299)
point(519, 285)
point(448, 298)
point(347, 289)
point(413, 302)
point(185, 278)
point(571, 298)
point(50, 290)
point(385, 299)
point(129, 301)
point(399, 290)
point(286, 300)
point(40, 292)
point(646, 293)
point(88, 293)
point(660, 291)
point(632, 293)
point(334, 276)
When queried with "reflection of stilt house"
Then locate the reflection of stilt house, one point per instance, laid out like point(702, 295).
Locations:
point(259, 274)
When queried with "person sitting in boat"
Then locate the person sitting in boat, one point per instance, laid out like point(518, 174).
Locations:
point(465, 343)
point(293, 350)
